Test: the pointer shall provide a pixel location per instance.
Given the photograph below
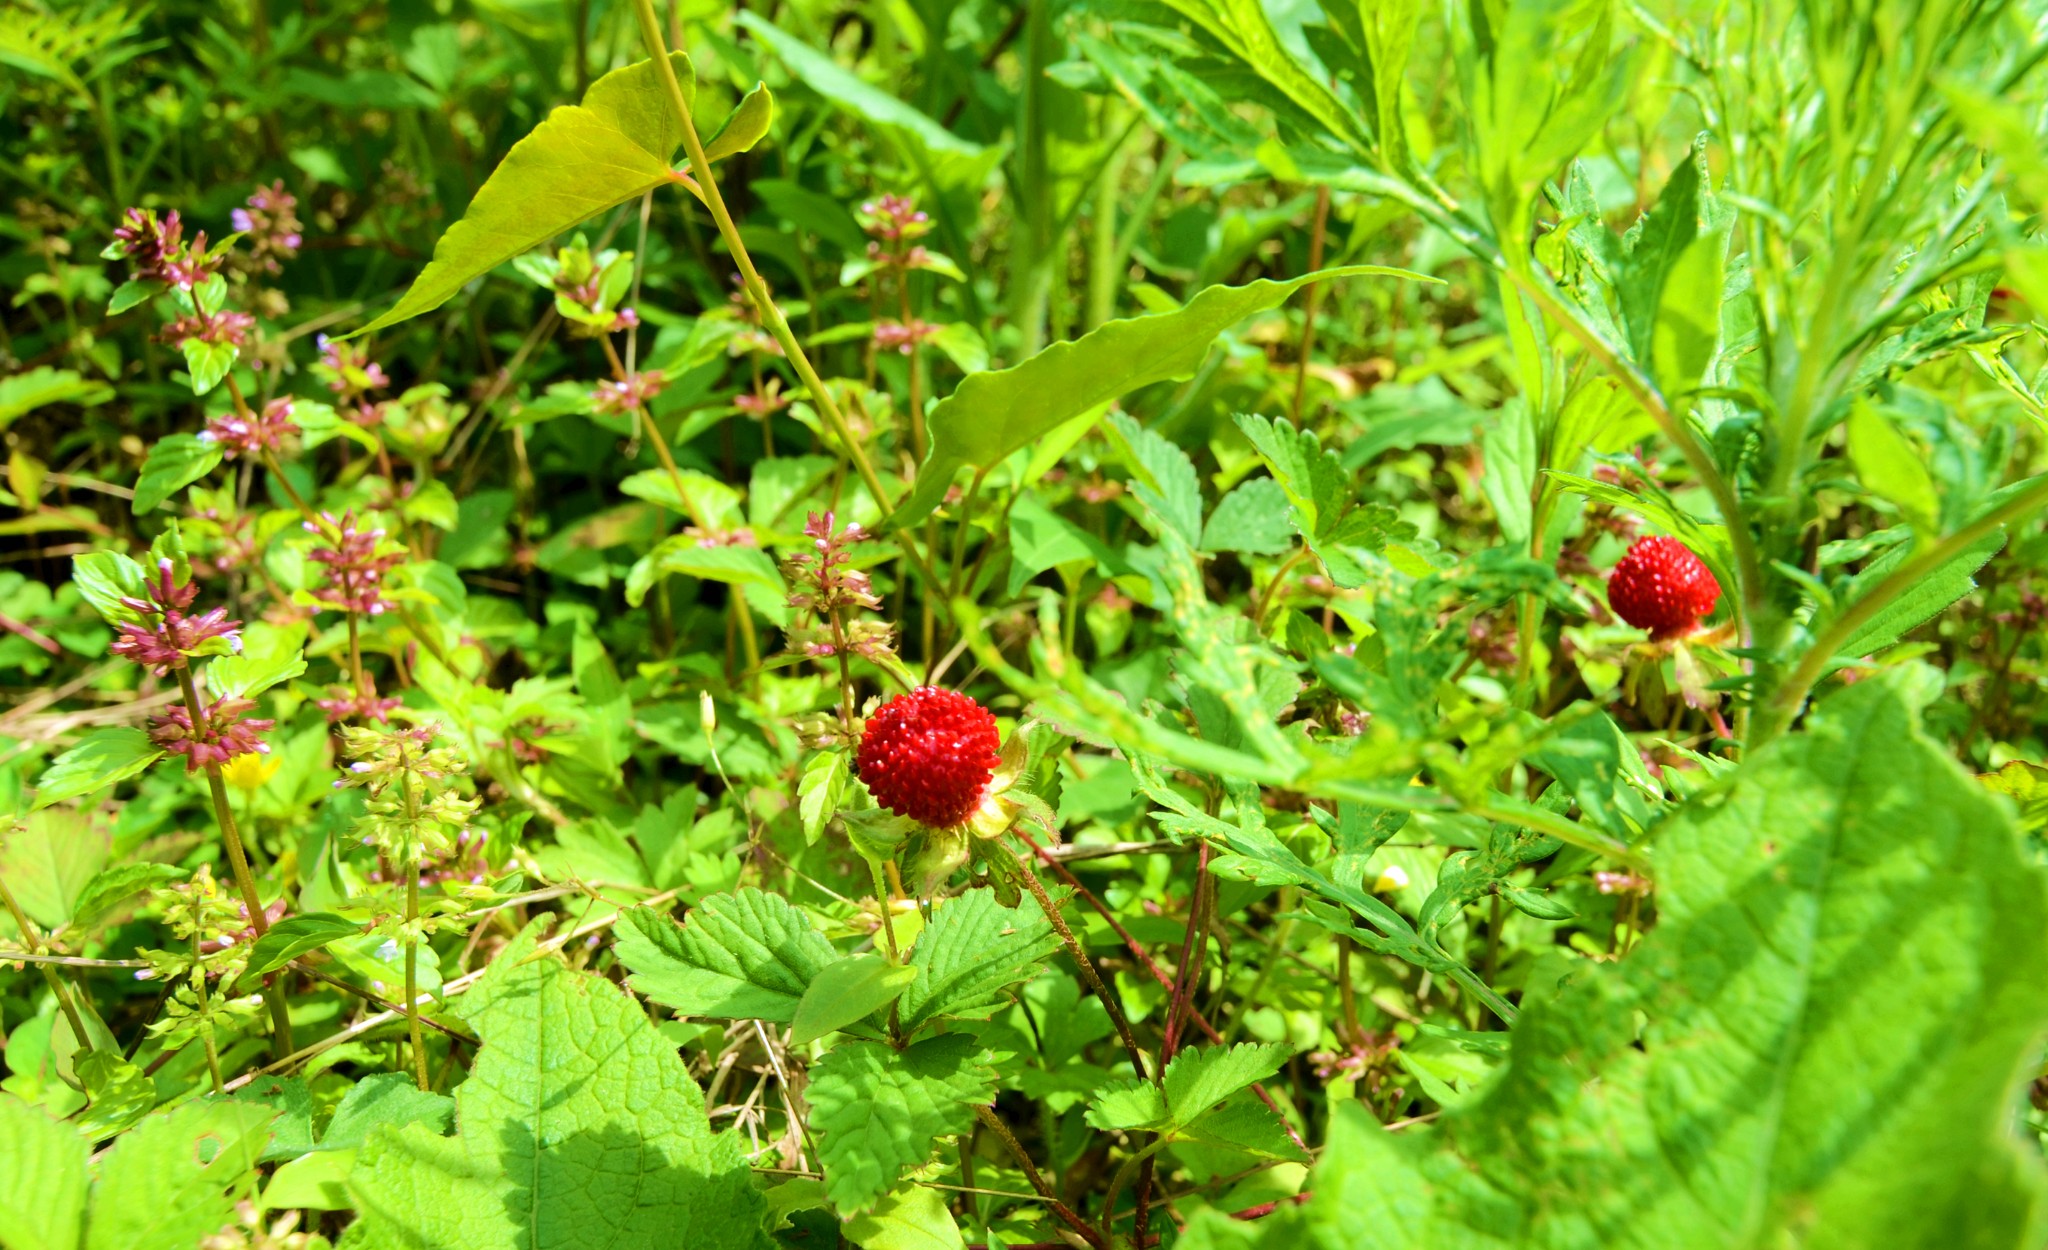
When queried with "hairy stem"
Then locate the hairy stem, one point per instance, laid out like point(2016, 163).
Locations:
point(1110, 1002)
point(995, 1125)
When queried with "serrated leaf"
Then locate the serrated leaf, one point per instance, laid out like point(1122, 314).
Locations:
point(1200, 1078)
point(1926, 599)
point(578, 1126)
point(1253, 519)
point(880, 1112)
point(175, 462)
point(846, 992)
point(745, 126)
point(1246, 1125)
point(740, 956)
point(105, 757)
point(105, 578)
point(820, 791)
point(990, 415)
point(295, 936)
point(1165, 478)
point(739, 566)
point(1129, 1104)
point(1314, 480)
point(1850, 964)
point(582, 159)
point(970, 955)
point(385, 1100)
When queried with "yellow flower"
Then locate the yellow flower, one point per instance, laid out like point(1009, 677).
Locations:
point(248, 772)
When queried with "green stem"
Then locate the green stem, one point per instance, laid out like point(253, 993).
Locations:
point(412, 916)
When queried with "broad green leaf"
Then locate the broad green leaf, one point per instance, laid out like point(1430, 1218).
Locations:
point(911, 1218)
point(1244, 27)
point(879, 1112)
point(105, 757)
point(1849, 968)
point(42, 1179)
point(317, 1181)
point(745, 126)
point(990, 415)
point(582, 159)
point(41, 386)
point(740, 956)
point(846, 992)
point(48, 860)
point(380, 1100)
point(1041, 539)
point(295, 936)
point(741, 566)
point(112, 886)
point(174, 1178)
point(1891, 467)
point(951, 160)
point(107, 577)
point(1198, 1079)
point(121, 1095)
point(1253, 519)
point(970, 955)
point(270, 654)
point(207, 363)
point(1313, 480)
point(579, 1126)
point(175, 462)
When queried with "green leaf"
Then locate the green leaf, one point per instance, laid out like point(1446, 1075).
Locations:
point(105, 757)
point(951, 160)
point(42, 386)
point(740, 566)
point(969, 957)
point(1652, 249)
point(740, 956)
point(820, 791)
point(294, 936)
point(381, 1100)
point(121, 1095)
point(173, 1179)
point(1891, 467)
point(579, 1126)
point(845, 993)
point(107, 577)
point(316, 1181)
point(112, 886)
point(1926, 599)
point(48, 861)
point(1849, 968)
point(1041, 539)
point(1313, 480)
point(911, 1218)
point(1689, 319)
point(880, 1112)
point(1253, 519)
point(1166, 481)
point(1198, 1079)
point(270, 654)
point(42, 1179)
point(990, 415)
point(207, 362)
point(175, 462)
point(582, 159)
point(745, 126)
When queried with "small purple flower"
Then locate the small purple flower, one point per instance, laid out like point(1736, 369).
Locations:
point(174, 636)
point(272, 226)
point(631, 394)
point(239, 435)
point(826, 584)
point(902, 336)
point(345, 703)
point(355, 566)
point(226, 327)
point(348, 370)
point(224, 734)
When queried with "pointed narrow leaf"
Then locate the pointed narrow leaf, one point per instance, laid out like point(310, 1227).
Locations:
point(106, 757)
point(990, 415)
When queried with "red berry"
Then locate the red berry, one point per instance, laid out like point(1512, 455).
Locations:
point(1661, 586)
point(929, 755)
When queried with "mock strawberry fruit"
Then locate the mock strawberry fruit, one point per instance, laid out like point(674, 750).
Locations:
point(930, 755)
point(1661, 586)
